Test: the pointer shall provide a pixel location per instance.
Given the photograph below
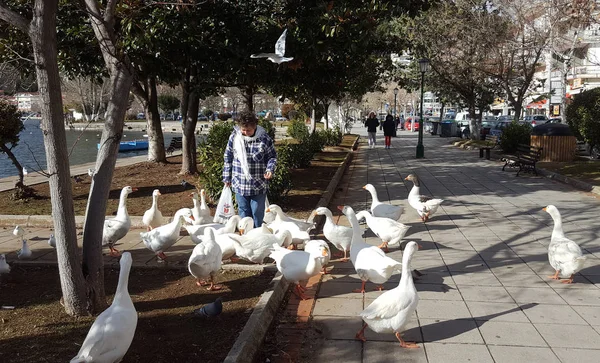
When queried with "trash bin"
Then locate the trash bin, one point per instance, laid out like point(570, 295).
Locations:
point(448, 129)
point(435, 125)
point(556, 140)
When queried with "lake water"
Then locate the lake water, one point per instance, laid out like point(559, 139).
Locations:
point(31, 147)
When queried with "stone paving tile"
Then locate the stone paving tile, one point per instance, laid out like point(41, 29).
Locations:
point(496, 311)
point(450, 331)
point(520, 280)
point(554, 314)
point(509, 333)
point(511, 354)
point(485, 293)
point(340, 290)
point(579, 296)
point(335, 327)
point(571, 355)
point(338, 307)
point(384, 352)
point(438, 292)
point(483, 277)
point(524, 295)
point(457, 353)
point(411, 334)
point(431, 309)
point(591, 314)
point(338, 351)
point(569, 336)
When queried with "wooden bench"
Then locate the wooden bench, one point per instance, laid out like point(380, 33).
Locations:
point(492, 142)
point(525, 158)
point(176, 143)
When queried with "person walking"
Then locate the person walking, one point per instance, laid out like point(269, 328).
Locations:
point(371, 124)
point(249, 162)
point(389, 128)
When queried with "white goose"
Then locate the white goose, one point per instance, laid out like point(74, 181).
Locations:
point(205, 260)
point(25, 252)
point(390, 231)
point(245, 225)
point(425, 206)
point(255, 248)
point(117, 228)
point(297, 266)
point(380, 209)
point(227, 245)
point(564, 255)
point(201, 211)
point(197, 232)
point(370, 262)
point(4, 266)
point(339, 236)
point(280, 216)
point(162, 238)
point(269, 216)
point(390, 312)
point(153, 217)
point(111, 334)
point(315, 247)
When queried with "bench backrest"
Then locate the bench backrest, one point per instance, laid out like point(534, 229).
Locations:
point(528, 152)
point(491, 140)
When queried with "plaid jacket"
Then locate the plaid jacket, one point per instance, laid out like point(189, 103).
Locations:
point(261, 158)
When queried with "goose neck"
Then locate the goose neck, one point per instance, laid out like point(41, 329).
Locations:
point(122, 293)
point(122, 211)
point(155, 202)
point(557, 231)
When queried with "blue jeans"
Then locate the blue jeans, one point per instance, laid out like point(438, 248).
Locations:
point(252, 206)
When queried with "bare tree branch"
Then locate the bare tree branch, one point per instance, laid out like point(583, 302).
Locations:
point(13, 18)
point(7, 46)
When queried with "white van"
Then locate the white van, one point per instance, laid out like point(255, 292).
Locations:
point(462, 117)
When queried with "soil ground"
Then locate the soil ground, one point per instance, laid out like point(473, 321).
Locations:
point(308, 185)
point(38, 329)
point(587, 171)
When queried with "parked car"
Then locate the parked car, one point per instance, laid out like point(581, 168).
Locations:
point(140, 116)
point(555, 120)
point(535, 119)
point(201, 117)
point(504, 118)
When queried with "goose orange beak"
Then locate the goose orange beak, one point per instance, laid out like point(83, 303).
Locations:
point(364, 187)
point(192, 218)
point(268, 210)
point(544, 209)
point(340, 207)
point(134, 189)
point(325, 253)
point(241, 231)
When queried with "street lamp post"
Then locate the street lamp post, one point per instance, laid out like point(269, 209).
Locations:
point(424, 67)
point(395, 98)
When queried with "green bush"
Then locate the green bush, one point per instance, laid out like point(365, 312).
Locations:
point(316, 142)
point(268, 126)
point(210, 158)
point(131, 116)
point(332, 137)
point(297, 130)
point(583, 116)
point(281, 182)
point(514, 134)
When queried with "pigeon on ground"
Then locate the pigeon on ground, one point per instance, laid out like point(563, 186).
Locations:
point(24, 252)
point(52, 241)
point(211, 310)
point(278, 56)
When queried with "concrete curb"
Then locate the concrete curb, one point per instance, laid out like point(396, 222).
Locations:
point(577, 184)
point(250, 339)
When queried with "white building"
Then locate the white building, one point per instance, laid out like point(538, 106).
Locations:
point(26, 100)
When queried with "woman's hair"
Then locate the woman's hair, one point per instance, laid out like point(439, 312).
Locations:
point(389, 118)
point(246, 118)
point(371, 114)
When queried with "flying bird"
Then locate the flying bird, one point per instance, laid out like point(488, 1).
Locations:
point(278, 56)
point(210, 310)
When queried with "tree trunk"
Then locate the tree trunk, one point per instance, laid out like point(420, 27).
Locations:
point(148, 97)
point(43, 38)
point(326, 107)
point(313, 122)
point(5, 149)
point(121, 79)
point(188, 143)
point(473, 122)
point(249, 98)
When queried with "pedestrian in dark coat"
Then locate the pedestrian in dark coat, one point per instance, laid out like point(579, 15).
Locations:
point(389, 126)
point(371, 124)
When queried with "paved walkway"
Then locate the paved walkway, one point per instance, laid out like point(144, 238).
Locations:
point(485, 295)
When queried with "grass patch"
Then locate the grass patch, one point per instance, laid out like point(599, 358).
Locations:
point(587, 171)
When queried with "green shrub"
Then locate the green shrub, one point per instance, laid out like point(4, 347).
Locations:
point(297, 130)
point(316, 142)
point(514, 134)
point(210, 158)
point(583, 116)
point(208, 113)
point(281, 182)
point(268, 126)
point(332, 137)
point(131, 116)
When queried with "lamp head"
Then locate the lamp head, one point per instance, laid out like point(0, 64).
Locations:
point(424, 65)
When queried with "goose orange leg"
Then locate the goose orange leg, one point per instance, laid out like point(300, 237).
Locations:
point(345, 259)
point(555, 276)
point(212, 286)
point(568, 281)
point(114, 252)
point(384, 247)
point(362, 288)
point(299, 291)
point(405, 344)
point(361, 334)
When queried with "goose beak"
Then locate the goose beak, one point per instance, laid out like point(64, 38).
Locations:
point(241, 231)
point(268, 210)
point(340, 207)
point(544, 209)
point(364, 187)
point(325, 253)
point(406, 178)
point(192, 218)
point(134, 189)
point(159, 193)
point(314, 213)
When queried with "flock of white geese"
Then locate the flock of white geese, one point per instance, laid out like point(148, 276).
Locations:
point(278, 238)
